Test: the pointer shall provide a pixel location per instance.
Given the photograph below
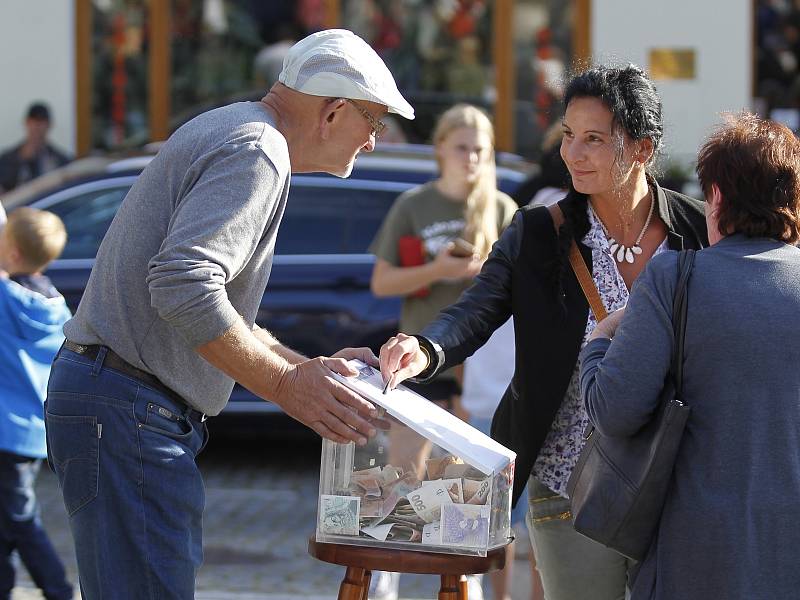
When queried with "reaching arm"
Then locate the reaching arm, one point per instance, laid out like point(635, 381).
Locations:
point(621, 379)
point(207, 246)
point(266, 338)
point(462, 328)
point(306, 391)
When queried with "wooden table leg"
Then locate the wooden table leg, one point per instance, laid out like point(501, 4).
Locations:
point(365, 583)
point(352, 587)
point(450, 588)
point(462, 588)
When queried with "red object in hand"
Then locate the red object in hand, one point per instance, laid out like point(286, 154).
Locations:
point(412, 254)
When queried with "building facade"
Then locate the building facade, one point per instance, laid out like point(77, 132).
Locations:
point(121, 73)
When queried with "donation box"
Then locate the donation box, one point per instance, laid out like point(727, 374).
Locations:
point(427, 481)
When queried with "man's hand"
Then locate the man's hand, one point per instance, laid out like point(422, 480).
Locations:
point(365, 355)
point(309, 393)
point(401, 358)
point(305, 389)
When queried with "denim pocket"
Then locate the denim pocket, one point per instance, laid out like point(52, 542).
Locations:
point(164, 420)
point(74, 446)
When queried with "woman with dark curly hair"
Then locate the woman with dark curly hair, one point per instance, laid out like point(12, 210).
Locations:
point(619, 217)
point(729, 526)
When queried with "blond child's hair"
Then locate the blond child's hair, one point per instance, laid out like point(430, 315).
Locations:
point(38, 235)
point(480, 217)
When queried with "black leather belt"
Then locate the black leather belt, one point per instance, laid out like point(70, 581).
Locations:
point(116, 362)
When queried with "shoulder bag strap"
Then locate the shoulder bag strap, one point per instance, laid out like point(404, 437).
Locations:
point(679, 308)
point(580, 269)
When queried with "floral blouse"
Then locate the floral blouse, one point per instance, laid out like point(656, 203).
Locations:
point(563, 444)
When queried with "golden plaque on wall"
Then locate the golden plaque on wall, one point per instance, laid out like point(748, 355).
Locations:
point(672, 63)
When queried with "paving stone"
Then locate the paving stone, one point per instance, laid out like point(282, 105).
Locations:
point(260, 510)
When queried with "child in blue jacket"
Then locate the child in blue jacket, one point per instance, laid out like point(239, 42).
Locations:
point(32, 313)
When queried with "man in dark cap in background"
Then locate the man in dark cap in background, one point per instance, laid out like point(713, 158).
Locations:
point(34, 156)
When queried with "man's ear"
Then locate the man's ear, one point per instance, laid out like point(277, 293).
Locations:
point(332, 110)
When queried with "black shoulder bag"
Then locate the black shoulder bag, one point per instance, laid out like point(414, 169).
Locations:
point(618, 487)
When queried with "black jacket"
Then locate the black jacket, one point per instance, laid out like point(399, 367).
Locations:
point(519, 280)
point(15, 171)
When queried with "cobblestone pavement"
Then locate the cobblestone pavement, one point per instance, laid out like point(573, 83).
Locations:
point(260, 510)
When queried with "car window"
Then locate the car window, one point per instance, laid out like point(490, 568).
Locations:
point(369, 208)
point(87, 218)
point(314, 222)
point(322, 216)
point(327, 217)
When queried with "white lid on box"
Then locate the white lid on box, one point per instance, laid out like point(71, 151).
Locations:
point(431, 421)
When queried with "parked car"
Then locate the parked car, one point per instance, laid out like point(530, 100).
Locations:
point(318, 298)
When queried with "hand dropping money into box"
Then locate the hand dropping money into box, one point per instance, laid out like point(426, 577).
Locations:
point(460, 502)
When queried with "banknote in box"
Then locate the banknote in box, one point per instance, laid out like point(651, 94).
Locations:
point(427, 481)
point(465, 525)
point(338, 515)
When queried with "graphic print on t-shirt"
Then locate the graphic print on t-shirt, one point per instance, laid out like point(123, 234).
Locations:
point(440, 233)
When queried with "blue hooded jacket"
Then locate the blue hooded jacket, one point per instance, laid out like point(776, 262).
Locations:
point(30, 336)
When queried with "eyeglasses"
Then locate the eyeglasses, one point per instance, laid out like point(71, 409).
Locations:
point(378, 127)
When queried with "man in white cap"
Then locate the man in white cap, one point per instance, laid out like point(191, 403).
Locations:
point(167, 322)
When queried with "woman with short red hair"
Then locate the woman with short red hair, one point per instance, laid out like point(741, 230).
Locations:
point(729, 526)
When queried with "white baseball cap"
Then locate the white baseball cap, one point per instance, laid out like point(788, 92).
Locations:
point(337, 63)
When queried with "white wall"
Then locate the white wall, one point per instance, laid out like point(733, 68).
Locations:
point(37, 62)
point(720, 33)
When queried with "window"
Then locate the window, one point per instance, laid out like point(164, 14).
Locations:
point(438, 52)
point(543, 51)
point(331, 216)
point(119, 73)
point(87, 217)
point(314, 222)
point(324, 215)
point(369, 208)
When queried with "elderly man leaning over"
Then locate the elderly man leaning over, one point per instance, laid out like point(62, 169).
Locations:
point(167, 323)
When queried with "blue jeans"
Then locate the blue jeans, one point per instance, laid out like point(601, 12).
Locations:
point(125, 457)
point(21, 529)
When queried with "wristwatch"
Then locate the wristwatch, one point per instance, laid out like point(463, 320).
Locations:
point(434, 353)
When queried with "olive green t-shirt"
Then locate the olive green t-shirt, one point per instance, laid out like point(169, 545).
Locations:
point(436, 220)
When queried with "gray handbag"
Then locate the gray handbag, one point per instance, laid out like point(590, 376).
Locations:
point(618, 487)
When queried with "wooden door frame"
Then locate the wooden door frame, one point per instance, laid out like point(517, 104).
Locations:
point(159, 76)
point(582, 32)
point(505, 81)
point(83, 77)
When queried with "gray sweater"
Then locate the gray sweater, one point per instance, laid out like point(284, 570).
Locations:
point(190, 250)
point(730, 523)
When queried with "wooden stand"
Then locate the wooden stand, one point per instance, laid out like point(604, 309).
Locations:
point(362, 560)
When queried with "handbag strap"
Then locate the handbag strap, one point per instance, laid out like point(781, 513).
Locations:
point(680, 302)
point(679, 310)
point(580, 269)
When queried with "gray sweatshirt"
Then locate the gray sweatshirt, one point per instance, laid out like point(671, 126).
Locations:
point(729, 526)
point(190, 251)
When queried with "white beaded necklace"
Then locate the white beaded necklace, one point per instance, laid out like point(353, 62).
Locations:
point(621, 252)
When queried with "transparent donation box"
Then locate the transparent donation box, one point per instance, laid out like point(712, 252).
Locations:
point(427, 481)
